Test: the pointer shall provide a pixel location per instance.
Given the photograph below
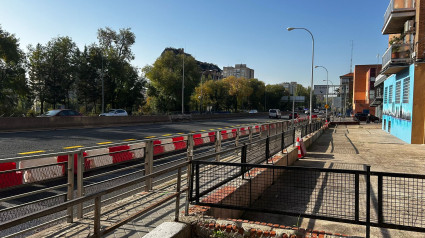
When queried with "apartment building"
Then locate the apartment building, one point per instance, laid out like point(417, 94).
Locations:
point(364, 88)
point(346, 93)
point(239, 71)
point(403, 70)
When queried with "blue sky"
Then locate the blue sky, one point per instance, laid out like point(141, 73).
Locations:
point(224, 32)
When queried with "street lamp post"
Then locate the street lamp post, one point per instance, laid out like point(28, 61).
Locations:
point(327, 88)
point(333, 86)
point(293, 103)
point(183, 86)
point(312, 65)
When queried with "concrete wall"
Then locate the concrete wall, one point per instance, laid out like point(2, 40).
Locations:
point(32, 123)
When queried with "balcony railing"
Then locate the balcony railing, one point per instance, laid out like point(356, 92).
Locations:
point(397, 13)
point(397, 56)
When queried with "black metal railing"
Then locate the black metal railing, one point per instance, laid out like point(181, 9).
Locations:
point(318, 193)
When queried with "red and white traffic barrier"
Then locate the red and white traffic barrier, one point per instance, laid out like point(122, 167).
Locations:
point(9, 179)
point(138, 149)
point(203, 138)
point(117, 156)
point(64, 158)
point(49, 171)
point(101, 157)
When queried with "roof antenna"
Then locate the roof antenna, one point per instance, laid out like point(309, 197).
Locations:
point(351, 62)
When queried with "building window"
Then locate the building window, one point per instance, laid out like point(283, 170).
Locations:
point(397, 92)
point(406, 90)
point(390, 94)
point(386, 95)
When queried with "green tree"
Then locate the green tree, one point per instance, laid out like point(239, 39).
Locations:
point(13, 86)
point(274, 93)
point(166, 77)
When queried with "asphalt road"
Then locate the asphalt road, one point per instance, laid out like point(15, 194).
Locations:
point(14, 144)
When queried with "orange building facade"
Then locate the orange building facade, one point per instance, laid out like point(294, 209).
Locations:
point(363, 87)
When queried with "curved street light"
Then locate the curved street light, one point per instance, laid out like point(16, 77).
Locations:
point(327, 87)
point(312, 65)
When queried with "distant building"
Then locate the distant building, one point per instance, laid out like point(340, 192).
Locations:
point(239, 71)
point(364, 88)
point(346, 92)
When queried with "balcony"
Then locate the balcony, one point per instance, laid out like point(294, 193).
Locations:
point(396, 58)
point(398, 12)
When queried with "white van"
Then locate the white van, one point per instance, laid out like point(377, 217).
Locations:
point(274, 113)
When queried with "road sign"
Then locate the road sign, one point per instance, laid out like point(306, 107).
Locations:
point(327, 106)
point(320, 89)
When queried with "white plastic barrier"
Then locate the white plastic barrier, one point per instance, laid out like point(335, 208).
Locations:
point(138, 149)
point(42, 173)
point(101, 158)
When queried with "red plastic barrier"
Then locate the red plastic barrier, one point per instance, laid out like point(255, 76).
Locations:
point(64, 158)
point(179, 143)
point(197, 139)
point(234, 131)
point(122, 156)
point(157, 147)
point(212, 136)
point(9, 179)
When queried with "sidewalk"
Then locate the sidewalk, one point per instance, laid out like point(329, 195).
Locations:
point(352, 147)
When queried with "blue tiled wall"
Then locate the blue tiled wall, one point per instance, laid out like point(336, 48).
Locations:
point(401, 123)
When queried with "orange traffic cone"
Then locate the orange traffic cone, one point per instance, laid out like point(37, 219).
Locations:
point(299, 148)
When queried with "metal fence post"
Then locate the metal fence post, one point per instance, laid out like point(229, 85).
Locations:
point(97, 214)
point(197, 182)
point(70, 194)
point(282, 141)
point(149, 164)
point(237, 137)
point(367, 201)
point(80, 182)
point(357, 197)
point(218, 145)
point(293, 133)
point(268, 129)
point(267, 149)
point(243, 160)
point(176, 217)
point(250, 134)
point(189, 172)
point(380, 197)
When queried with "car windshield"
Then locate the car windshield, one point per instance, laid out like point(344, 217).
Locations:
point(111, 111)
point(273, 111)
point(52, 112)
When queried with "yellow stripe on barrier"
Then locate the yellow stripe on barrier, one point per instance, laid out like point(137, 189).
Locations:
point(31, 152)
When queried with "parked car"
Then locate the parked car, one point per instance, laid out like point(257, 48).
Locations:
point(61, 113)
point(253, 111)
point(364, 116)
point(114, 113)
point(274, 113)
point(295, 115)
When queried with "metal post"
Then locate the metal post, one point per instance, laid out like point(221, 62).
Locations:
point(80, 182)
point(237, 136)
point(183, 86)
point(97, 214)
point(357, 197)
point(243, 160)
point(197, 182)
point(189, 172)
point(103, 90)
point(380, 197)
point(250, 134)
point(267, 148)
point(293, 133)
point(218, 145)
point(149, 164)
point(367, 201)
point(282, 141)
point(176, 217)
point(70, 194)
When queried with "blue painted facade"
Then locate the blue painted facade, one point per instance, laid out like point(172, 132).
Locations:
point(397, 116)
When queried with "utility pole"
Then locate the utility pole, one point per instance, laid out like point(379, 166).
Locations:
point(183, 86)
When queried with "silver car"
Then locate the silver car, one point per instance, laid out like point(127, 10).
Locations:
point(114, 113)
